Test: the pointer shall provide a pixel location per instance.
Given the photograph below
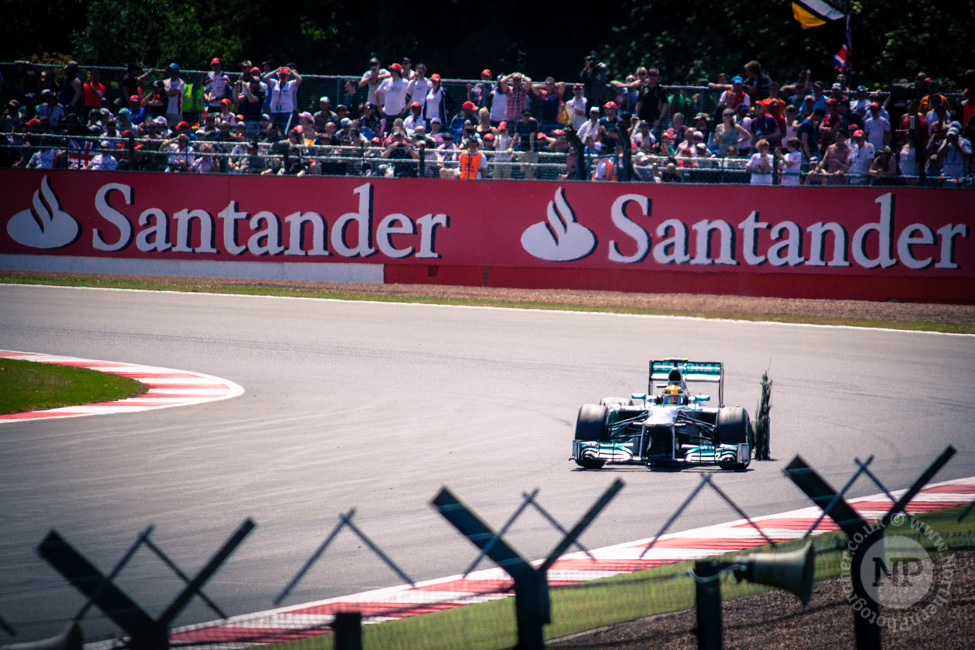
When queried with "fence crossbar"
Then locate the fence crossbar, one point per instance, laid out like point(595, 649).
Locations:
point(883, 488)
point(182, 576)
point(108, 578)
point(741, 513)
point(663, 529)
point(552, 520)
point(496, 537)
point(839, 495)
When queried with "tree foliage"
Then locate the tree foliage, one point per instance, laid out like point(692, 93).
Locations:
point(686, 40)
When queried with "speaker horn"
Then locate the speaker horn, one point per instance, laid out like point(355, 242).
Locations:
point(793, 571)
point(70, 639)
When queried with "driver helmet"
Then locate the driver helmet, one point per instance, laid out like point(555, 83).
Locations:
point(674, 394)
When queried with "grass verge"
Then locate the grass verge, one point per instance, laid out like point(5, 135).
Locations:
point(264, 290)
point(31, 386)
point(599, 603)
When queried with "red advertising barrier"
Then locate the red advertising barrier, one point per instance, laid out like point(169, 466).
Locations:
point(844, 242)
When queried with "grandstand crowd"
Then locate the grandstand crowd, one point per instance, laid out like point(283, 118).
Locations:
point(400, 120)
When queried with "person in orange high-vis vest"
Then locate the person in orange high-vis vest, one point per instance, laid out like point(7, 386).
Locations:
point(472, 162)
point(605, 170)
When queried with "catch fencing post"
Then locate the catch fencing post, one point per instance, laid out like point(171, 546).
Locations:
point(532, 604)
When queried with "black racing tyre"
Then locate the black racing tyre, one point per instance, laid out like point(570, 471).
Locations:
point(592, 423)
point(733, 427)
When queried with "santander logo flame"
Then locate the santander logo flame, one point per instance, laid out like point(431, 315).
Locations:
point(47, 225)
point(561, 238)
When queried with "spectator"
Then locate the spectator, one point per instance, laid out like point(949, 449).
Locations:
point(325, 114)
point(217, 86)
point(391, 96)
point(577, 107)
point(372, 78)
point(224, 114)
point(774, 106)
point(484, 126)
point(499, 104)
point(730, 134)
point(206, 162)
point(515, 87)
point(590, 129)
point(862, 154)
point(550, 100)
point(733, 96)
point(883, 170)
point(94, 91)
point(954, 154)
point(525, 131)
point(876, 127)
point(437, 102)
point(481, 92)
point(414, 119)
point(419, 85)
point(447, 152)
point(809, 134)
point(250, 97)
point(678, 130)
point(791, 123)
point(503, 144)
point(283, 93)
point(760, 164)
point(402, 152)
point(791, 162)
point(255, 162)
point(351, 99)
point(50, 108)
point(607, 137)
point(594, 77)
point(861, 104)
point(933, 94)
point(764, 127)
point(180, 153)
point(756, 82)
point(174, 91)
point(369, 122)
point(72, 92)
point(652, 104)
point(473, 163)
point(466, 116)
point(407, 66)
point(836, 160)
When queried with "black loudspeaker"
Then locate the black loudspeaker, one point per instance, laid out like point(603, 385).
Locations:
point(793, 571)
point(70, 639)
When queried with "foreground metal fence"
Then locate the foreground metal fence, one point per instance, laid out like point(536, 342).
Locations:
point(551, 600)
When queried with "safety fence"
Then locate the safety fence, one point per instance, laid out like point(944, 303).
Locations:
point(562, 596)
point(419, 159)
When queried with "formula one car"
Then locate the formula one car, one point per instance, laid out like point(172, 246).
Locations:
point(671, 429)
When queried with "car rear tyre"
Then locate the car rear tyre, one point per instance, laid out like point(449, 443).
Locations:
point(590, 463)
point(733, 427)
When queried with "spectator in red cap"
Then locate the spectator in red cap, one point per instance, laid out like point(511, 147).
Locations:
point(876, 127)
point(480, 93)
point(217, 86)
point(862, 154)
point(283, 93)
point(414, 119)
point(391, 96)
point(462, 119)
point(437, 103)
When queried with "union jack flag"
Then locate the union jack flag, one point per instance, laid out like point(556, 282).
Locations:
point(841, 60)
point(80, 152)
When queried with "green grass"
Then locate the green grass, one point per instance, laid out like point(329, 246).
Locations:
point(30, 386)
point(590, 605)
point(248, 289)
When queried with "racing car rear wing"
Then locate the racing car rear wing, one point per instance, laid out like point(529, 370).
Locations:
point(707, 371)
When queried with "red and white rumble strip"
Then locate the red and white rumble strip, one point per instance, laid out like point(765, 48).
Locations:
point(393, 603)
point(167, 387)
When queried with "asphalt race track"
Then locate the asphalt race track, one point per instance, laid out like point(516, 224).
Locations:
point(376, 406)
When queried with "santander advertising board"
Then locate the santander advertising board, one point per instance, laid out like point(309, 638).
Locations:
point(696, 229)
